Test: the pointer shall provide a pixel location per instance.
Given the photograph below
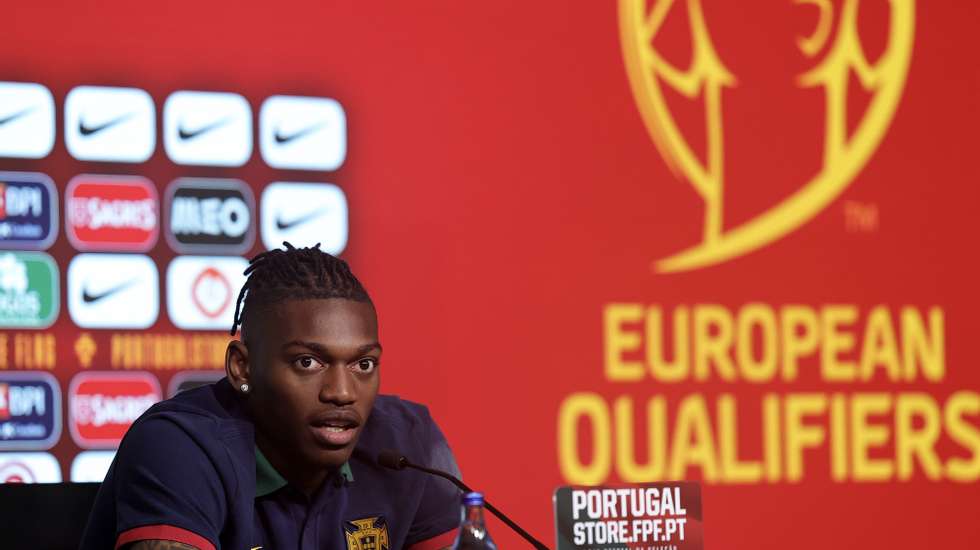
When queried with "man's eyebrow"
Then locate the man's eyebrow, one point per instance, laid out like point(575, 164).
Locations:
point(368, 347)
point(320, 349)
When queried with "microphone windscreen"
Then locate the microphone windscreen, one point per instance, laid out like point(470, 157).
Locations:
point(392, 459)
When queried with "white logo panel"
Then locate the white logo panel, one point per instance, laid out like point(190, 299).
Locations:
point(306, 133)
point(91, 466)
point(304, 214)
point(110, 124)
point(29, 468)
point(202, 291)
point(113, 291)
point(26, 120)
point(207, 128)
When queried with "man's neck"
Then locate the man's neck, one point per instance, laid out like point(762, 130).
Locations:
point(305, 478)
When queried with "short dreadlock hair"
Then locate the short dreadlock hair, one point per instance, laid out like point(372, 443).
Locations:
point(295, 274)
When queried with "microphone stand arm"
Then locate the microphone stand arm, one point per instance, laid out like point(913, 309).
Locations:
point(493, 509)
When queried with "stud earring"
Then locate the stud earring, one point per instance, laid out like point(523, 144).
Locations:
point(244, 388)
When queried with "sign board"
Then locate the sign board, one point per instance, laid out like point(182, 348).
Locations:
point(651, 516)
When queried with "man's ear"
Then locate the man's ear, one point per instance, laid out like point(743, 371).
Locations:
point(237, 366)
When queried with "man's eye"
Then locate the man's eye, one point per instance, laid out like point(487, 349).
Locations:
point(307, 363)
point(367, 365)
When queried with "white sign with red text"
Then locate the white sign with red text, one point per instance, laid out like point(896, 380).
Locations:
point(202, 291)
point(91, 466)
point(29, 468)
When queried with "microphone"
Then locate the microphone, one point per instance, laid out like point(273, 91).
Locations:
point(397, 461)
point(391, 459)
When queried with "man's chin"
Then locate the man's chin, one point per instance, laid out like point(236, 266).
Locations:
point(333, 452)
point(332, 459)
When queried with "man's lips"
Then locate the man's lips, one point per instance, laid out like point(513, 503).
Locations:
point(335, 428)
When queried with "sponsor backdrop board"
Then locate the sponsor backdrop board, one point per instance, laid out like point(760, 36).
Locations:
point(611, 242)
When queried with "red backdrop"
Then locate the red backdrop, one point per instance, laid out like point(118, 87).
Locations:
point(505, 194)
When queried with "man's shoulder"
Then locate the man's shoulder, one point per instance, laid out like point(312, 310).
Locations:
point(203, 413)
point(399, 424)
point(187, 463)
point(215, 400)
point(401, 412)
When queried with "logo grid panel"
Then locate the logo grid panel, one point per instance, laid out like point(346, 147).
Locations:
point(113, 220)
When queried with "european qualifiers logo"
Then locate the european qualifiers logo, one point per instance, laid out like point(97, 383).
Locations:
point(838, 63)
point(29, 468)
point(29, 290)
point(111, 213)
point(303, 133)
point(304, 214)
point(210, 216)
point(27, 127)
point(111, 124)
point(102, 405)
point(28, 211)
point(113, 291)
point(30, 411)
point(207, 128)
point(202, 291)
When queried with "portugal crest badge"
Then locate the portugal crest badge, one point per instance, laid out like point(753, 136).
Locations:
point(367, 534)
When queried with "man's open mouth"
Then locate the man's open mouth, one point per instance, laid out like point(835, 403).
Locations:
point(335, 429)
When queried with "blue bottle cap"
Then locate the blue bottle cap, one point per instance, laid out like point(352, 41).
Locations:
point(473, 499)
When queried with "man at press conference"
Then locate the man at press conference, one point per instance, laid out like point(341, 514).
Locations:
point(265, 458)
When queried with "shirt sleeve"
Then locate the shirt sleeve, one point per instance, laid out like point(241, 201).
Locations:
point(166, 487)
point(438, 514)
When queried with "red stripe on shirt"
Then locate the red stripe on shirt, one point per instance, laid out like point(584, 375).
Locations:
point(436, 542)
point(163, 532)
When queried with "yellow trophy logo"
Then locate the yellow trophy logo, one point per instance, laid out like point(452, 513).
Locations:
point(844, 156)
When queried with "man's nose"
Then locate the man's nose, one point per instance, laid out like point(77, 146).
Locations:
point(338, 385)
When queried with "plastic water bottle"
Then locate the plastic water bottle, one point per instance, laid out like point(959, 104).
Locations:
point(473, 533)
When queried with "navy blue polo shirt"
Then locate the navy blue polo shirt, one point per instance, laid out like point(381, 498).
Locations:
point(188, 470)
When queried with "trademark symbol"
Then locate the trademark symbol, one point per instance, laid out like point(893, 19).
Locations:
point(861, 217)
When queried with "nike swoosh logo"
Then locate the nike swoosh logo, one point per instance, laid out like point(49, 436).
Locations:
point(286, 138)
point(15, 116)
point(283, 225)
point(184, 133)
point(89, 297)
point(89, 130)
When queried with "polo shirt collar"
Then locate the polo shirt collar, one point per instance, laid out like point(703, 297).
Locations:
point(268, 480)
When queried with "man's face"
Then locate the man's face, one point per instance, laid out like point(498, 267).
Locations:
point(313, 372)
